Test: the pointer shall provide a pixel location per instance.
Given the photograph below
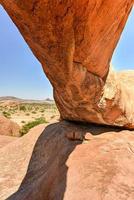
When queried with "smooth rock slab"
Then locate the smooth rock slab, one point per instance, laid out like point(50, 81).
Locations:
point(59, 168)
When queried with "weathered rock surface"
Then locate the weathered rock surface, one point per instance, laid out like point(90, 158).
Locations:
point(98, 168)
point(74, 41)
point(117, 102)
point(5, 140)
point(8, 127)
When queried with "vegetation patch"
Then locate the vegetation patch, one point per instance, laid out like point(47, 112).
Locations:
point(7, 114)
point(25, 128)
point(23, 108)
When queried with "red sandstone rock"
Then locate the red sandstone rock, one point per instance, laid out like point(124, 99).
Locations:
point(8, 127)
point(61, 169)
point(5, 140)
point(74, 41)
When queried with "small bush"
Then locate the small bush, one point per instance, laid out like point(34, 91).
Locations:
point(23, 108)
point(27, 114)
point(42, 111)
point(6, 114)
point(32, 124)
point(33, 112)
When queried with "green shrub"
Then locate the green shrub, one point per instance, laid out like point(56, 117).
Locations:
point(7, 114)
point(25, 128)
point(33, 112)
point(23, 108)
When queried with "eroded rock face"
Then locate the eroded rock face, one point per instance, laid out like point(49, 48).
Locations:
point(74, 41)
point(61, 169)
point(8, 127)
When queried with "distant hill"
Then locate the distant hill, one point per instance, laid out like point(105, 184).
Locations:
point(5, 98)
point(15, 99)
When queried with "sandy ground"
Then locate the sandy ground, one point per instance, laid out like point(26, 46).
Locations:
point(22, 113)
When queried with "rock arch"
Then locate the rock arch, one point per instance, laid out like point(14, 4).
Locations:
point(74, 41)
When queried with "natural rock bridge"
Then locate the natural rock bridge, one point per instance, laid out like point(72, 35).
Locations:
point(74, 41)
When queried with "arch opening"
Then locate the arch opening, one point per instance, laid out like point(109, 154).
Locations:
point(53, 61)
point(21, 73)
point(120, 81)
point(25, 91)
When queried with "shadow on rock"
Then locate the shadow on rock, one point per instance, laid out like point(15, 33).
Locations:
point(46, 177)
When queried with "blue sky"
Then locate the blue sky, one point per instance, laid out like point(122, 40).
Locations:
point(123, 57)
point(21, 74)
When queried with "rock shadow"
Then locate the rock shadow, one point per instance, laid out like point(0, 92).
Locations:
point(46, 176)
